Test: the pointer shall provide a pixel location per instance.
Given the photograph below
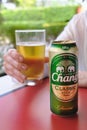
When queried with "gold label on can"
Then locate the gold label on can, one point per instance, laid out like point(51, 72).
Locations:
point(64, 93)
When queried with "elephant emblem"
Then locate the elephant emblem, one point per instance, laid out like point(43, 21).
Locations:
point(59, 69)
point(71, 68)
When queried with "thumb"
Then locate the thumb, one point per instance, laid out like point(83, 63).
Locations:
point(46, 59)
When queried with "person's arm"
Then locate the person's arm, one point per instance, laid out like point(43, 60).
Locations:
point(69, 30)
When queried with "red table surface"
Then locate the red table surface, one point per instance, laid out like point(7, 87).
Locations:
point(29, 109)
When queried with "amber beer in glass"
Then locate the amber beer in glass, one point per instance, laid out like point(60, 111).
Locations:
point(63, 78)
point(31, 44)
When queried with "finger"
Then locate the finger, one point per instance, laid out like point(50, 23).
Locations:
point(14, 55)
point(17, 56)
point(15, 73)
point(46, 59)
point(18, 65)
point(15, 59)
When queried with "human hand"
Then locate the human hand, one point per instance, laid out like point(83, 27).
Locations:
point(13, 64)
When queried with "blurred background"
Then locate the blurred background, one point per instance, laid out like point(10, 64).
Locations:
point(51, 15)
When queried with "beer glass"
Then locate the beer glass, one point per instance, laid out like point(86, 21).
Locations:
point(31, 45)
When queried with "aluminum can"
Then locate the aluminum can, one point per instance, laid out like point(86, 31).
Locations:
point(63, 64)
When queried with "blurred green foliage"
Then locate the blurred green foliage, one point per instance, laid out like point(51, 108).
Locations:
point(25, 3)
point(47, 14)
point(53, 19)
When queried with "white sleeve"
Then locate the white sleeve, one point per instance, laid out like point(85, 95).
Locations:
point(70, 30)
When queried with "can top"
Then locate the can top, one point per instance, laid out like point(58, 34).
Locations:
point(64, 42)
point(64, 45)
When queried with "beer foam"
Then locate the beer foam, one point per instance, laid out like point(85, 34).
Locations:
point(30, 43)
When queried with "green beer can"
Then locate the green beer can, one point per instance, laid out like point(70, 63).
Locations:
point(63, 63)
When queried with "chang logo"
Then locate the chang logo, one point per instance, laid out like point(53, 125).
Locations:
point(64, 69)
